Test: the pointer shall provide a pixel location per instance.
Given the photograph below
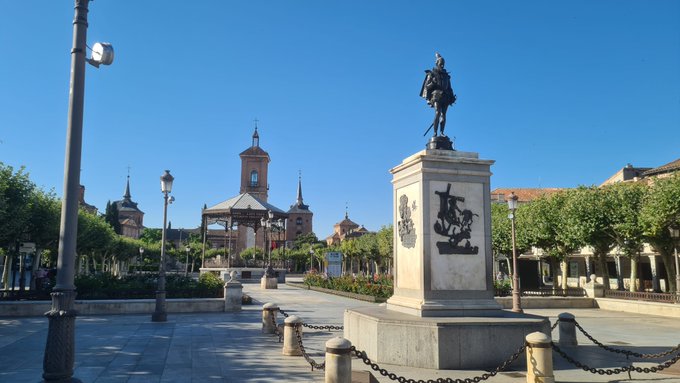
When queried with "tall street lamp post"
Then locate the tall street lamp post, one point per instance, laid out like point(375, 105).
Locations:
point(141, 259)
point(59, 353)
point(267, 224)
point(675, 234)
point(160, 315)
point(186, 272)
point(516, 300)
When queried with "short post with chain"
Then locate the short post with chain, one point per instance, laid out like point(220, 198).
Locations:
point(269, 311)
point(291, 346)
point(338, 361)
point(567, 330)
point(539, 358)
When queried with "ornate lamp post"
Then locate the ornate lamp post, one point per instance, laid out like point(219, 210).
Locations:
point(141, 258)
point(59, 355)
point(160, 315)
point(267, 224)
point(516, 300)
point(675, 234)
point(187, 249)
point(311, 260)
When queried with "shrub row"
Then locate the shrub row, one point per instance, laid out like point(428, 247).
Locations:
point(107, 286)
point(379, 286)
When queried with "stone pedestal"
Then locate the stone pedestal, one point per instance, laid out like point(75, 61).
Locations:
point(268, 283)
point(442, 226)
point(233, 294)
point(594, 289)
point(443, 314)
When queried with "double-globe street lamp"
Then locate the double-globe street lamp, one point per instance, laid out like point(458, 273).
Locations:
point(267, 224)
point(59, 354)
point(516, 300)
point(160, 314)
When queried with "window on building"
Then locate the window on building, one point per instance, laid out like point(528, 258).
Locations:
point(253, 178)
point(298, 221)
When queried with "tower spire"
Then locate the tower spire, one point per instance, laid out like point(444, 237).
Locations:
point(127, 188)
point(346, 211)
point(256, 136)
point(299, 191)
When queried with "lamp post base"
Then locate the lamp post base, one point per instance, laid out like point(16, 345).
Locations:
point(60, 350)
point(160, 313)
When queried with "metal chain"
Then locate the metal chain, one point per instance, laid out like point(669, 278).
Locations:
point(330, 327)
point(309, 360)
point(615, 371)
point(375, 367)
point(555, 324)
point(276, 328)
point(627, 352)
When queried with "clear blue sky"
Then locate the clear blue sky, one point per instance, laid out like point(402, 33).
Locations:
point(559, 93)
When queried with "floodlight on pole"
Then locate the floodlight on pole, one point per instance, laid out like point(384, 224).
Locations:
point(59, 356)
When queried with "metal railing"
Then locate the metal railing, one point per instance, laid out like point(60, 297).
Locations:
point(642, 296)
point(569, 292)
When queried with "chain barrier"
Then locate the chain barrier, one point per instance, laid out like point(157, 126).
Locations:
point(555, 324)
point(614, 371)
point(276, 328)
point(626, 352)
point(329, 328)
point(309, 360)
point(375, 367)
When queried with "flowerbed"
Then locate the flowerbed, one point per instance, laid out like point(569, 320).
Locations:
point(379, 286)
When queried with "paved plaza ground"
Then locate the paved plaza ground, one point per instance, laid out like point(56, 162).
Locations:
point(229, 347)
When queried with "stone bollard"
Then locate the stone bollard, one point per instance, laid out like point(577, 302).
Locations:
point(269, 311)
point(539, 358)
point(567, 330)
point(338, 361)
point(233, 294)
point(291, 347)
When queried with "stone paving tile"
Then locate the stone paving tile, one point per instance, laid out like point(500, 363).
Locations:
point(229, 347)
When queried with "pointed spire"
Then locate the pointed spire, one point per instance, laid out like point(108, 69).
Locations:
point(299, 191)
point(256, 136)
point(127, 189)
point(346, 211)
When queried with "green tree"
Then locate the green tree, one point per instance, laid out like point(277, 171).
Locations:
point(111, 216)
point(546, 229)
point(501, 232)
point(626, 228)
point(351, 251)
point(589, 217)
point(16, 190)
point(660, 210)
point(305, 240)
point(385, 238)
point(251, 253)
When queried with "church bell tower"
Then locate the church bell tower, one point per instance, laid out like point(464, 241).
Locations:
point(254, 168)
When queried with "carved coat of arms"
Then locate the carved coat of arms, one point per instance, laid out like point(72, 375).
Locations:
point(407, 231)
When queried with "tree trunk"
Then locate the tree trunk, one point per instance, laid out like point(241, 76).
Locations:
point(564, 272)
point(604, 272)
point(633, 275)
point(5, 272)
point(34, 268)
point(669, 265)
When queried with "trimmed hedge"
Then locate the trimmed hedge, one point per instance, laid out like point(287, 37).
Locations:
point(107, 286)
point(379, 286)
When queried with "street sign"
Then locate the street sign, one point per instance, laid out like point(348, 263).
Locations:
point(27, 247)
